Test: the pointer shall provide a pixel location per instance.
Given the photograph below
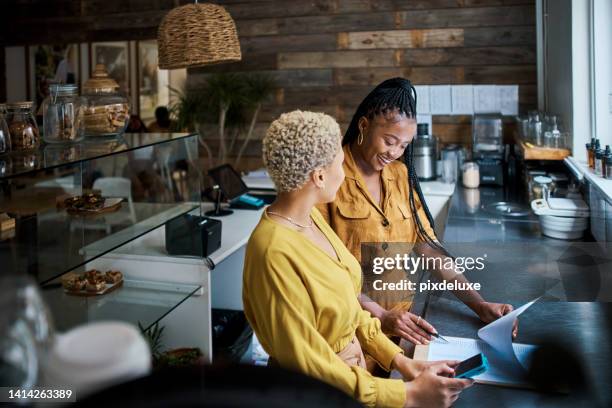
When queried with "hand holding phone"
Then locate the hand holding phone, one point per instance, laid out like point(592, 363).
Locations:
point(472, 367)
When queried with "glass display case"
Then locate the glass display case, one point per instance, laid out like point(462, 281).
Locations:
point(59, 199)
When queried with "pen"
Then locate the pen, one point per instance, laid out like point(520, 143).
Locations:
point(436, 335)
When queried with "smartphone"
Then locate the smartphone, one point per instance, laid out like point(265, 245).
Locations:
point(472, 367)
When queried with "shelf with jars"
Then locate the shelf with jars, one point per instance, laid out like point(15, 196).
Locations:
point(103, 191)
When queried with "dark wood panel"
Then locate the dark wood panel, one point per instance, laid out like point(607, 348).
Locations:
point(19, 9)
point(418, 75)
point(486, 36)
point(339, 59)
point(453, 133)
point(286, 78)
point(329, 23)
point(269, 113)
point(101, 7)
point(286, 43)
point(468, 17)
point(338, 95)
point(469, 56)
point(501, 74)
point(275, 8)
point(435, 4)
point(250, 62)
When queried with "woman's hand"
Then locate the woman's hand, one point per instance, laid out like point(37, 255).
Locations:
point(434, 388)
point(407, 326)
point(489, 312)
point(411, 369)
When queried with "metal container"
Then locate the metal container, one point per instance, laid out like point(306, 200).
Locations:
point(425, 153)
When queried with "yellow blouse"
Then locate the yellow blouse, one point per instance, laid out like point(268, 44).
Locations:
point(356, 218)
point(303, 306)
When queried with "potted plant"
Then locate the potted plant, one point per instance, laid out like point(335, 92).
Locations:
point(180, 357)
point(229, 101)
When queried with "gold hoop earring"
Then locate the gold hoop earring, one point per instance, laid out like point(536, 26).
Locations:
point(360, 138)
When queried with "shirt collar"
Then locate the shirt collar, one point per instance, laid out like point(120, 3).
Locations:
point(351, 171)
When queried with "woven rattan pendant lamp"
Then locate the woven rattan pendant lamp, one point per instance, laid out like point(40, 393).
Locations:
point(197, 34)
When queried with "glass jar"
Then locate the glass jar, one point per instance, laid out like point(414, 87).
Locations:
point(107, 111)
point(471, 175)
point(63, 114)
point(5, 138)
point(57, 154)
point(22, 126)
point(541, 187)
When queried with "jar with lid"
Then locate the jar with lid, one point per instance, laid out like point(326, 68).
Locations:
point(5, 138)
point(541, 187)
point(63, 114)
point(107, 111)
point(471, 174)
point(22, 126)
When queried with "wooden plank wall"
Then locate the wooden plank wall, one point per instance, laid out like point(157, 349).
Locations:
point(325, 54)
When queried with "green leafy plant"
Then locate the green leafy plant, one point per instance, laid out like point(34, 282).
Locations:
point(180, 357)
point(153, 335)
point(229, 100)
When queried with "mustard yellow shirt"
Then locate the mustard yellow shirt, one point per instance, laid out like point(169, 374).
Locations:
point(356, 218)
point(303, 306)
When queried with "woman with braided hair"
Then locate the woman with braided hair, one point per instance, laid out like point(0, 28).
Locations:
point(381, 202)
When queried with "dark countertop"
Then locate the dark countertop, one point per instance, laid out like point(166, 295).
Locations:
point(574, 279)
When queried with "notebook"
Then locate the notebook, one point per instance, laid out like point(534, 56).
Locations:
point(500, 372)
point(508, 361)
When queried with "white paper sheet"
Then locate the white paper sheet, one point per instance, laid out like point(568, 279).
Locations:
point(462, 97)
point(498, 334)
point(485, 99)
point(499, 372)
point(440, 99)
point(508, 96)
point(507, 361)
point(422, 99)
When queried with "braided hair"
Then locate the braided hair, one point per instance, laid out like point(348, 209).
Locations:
point(396, 95)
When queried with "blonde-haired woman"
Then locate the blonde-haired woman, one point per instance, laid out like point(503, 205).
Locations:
point(301, 283)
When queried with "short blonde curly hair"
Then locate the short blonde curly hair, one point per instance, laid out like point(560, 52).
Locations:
point(296, 144)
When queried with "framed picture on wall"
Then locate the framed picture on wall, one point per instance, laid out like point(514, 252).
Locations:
point(116, 57)
point(152, 83)
point(49, 64)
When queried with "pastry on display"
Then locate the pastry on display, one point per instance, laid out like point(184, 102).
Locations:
point(91, 203)
point(95, 286)
point(74, 283)
point(92, 282)
point(113, 277)
point(6, 222)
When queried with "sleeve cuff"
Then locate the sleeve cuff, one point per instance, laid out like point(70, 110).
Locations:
point(390, 393)
point(383, 350)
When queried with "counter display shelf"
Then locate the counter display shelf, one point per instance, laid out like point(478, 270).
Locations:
point(156, 178)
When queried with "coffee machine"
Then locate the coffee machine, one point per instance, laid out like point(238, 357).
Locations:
point(488, 148)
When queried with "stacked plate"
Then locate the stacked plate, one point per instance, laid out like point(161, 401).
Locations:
point(562, 218)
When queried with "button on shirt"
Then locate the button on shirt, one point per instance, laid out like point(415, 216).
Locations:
point(357, 218)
